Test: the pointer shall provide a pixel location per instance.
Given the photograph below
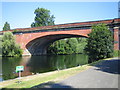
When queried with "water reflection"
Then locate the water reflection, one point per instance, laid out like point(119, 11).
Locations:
point(8, 67)
point(40, 64)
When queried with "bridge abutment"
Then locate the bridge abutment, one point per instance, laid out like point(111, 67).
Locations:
point(27, 53)
point(116, 38)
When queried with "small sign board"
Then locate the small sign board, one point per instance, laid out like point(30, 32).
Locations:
point(19, 68)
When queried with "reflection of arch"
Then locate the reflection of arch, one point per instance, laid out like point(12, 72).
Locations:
point(39, 45)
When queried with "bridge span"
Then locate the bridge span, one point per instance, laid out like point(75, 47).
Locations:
point(35, 41)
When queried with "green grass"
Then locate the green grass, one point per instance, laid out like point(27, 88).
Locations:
point(55, 76)
point(116, 53)
point(42, 79)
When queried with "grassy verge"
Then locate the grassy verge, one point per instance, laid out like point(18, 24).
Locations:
point(55, 76)
point(116, 53)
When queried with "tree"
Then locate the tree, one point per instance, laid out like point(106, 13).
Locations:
point(6, 26)
point(67, 46)
point(0, 45)
point(81, 45)
point(9, 47)
point(100, 43)
point(42, 18)
point(72, 43)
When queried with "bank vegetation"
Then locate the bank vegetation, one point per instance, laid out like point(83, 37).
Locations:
point(9, 46)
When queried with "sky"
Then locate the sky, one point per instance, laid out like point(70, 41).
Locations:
point(21, 14)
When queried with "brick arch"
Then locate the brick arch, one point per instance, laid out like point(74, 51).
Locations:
point(39, 45)
point(26, 39)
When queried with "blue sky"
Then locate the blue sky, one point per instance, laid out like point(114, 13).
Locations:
point(21, 14)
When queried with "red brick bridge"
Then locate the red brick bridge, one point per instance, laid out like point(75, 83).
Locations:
point(34, 41)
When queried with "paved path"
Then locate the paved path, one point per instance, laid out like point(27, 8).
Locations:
point(103, 75)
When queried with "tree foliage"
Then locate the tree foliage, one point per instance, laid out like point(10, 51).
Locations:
point(67, 46)
point(6, 26)
point(100, 43)
point(9, 47)
point(42, 18)
point(0, 45)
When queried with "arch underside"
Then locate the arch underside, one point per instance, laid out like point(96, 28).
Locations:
point(39, 46)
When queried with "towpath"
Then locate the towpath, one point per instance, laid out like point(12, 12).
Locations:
point(103, 75)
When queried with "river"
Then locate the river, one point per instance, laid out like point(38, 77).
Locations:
point(39, 64)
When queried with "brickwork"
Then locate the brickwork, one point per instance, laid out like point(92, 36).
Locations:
point(116, 38)
point(24, 38)
point(111, 21)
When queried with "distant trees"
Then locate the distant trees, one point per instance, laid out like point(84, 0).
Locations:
point(67, 46)
point(9, 47)
point(100, 43)
point(42, 18)
point(6, 26)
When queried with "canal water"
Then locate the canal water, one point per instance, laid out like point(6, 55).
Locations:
point(39, 64)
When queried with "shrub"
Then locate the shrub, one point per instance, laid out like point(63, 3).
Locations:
point(9, 47)
point(100, 43)
point(116, 53)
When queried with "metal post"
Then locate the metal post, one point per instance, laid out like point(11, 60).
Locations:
point(19, 77)
point(19, 74)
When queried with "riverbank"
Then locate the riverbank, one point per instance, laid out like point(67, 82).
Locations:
point(54, 76)
point(102, 75)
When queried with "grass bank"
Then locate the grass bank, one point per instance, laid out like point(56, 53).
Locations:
point(116, 53)
point(55, 76)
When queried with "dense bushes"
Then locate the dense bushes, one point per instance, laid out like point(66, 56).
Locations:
point(9, 47)
point(67, 46)
point(100, 43)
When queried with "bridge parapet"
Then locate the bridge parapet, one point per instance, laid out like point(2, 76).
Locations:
point(69, 26)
